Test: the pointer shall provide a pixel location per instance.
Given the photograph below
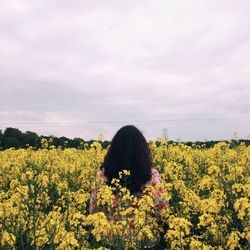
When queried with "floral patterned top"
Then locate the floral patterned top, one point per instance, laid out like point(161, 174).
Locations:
point(155, 179)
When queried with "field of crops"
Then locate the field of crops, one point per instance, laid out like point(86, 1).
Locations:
point(44, 200)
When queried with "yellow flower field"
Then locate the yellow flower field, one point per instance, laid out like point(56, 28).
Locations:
point(44, 200)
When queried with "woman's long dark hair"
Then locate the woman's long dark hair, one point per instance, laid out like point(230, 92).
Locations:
point(128, 150)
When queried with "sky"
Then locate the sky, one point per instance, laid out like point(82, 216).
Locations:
point(81, 68)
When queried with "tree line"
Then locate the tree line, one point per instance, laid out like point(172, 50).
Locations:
point(15, 138)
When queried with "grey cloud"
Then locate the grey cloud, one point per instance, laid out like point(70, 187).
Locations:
point(125, 62)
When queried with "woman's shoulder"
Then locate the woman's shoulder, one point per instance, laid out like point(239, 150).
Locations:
point(100, 174)
point(155, 176)
point(154, 171)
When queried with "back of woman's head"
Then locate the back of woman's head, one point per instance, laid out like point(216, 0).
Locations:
point(128, 150)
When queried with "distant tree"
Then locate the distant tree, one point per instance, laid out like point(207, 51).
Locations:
point(75, 143)
point(31, 139)
point(32, 134)
point(165, 134)
point(13, 137)
point(1, 138)
point(57, 142)
point(105, 144)
point(10, 142)
point(236, 135)
point(12, 132)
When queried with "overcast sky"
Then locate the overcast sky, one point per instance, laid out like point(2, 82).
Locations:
point(81, 68)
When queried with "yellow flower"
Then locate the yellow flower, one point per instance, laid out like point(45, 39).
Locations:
point(242, 206)
point(8, 239)
point(233, 240)
point(100, 223)
point(45, 193)
point(213, 170)
point(105, 196)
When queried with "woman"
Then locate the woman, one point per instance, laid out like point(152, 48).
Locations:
point(129, 151)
